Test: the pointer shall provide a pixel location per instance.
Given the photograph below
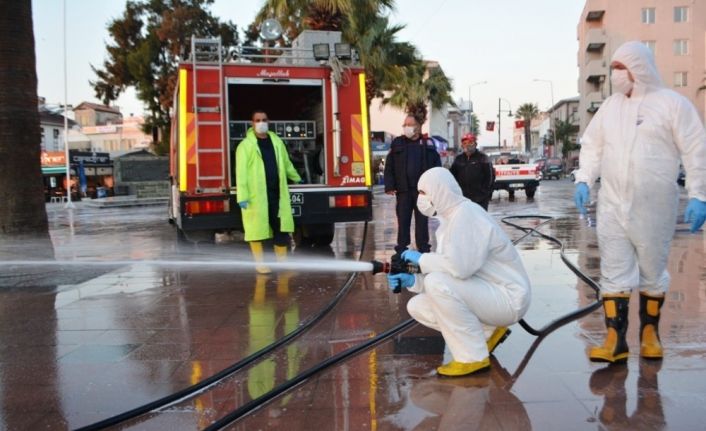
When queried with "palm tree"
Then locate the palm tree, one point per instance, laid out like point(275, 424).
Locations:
point(363, 25)
point(384, 58)
point(424, 84)
point(22, 212)
point(563, 131)
point(527, 112)
point(318, 14)
point(475, 124)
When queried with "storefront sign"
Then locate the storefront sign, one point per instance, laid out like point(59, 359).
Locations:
point(53, 158)
point(89, 158)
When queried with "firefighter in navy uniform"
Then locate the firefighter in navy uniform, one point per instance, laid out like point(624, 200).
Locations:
point(474, 172)
point(410, 155)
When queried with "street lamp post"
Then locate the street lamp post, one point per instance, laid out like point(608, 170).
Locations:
point(500, 110)
point(69, 204)
point(470, 105)
point(551, 89)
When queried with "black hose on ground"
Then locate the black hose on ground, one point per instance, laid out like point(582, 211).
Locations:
point(255, 404)
point(215, 378)
point(563, 320)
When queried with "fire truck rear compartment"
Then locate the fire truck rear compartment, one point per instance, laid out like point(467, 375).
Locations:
point(296, 114)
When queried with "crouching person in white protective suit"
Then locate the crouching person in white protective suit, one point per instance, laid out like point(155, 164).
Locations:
point(634, 144)
point(473, 282)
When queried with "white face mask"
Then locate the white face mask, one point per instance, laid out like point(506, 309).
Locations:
point(261, 127)
point(425, 206)
point(409, 131)
point(621, 81)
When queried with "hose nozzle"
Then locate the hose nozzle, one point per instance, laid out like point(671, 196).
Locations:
point(379, 267)
point(396, 265)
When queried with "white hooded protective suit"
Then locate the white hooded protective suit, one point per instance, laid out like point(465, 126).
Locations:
point(474, 277)
point(634, 145)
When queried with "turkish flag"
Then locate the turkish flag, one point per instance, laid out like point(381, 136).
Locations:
point(519, 124)
point(490, 126)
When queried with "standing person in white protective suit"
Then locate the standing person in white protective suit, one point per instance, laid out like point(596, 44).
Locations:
point(634, 144)
point(475, 277)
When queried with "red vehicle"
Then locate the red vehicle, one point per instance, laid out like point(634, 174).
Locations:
point(318, 108)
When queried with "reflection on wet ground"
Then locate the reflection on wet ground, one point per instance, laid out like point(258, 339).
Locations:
point(80, 345)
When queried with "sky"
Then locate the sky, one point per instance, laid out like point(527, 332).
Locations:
point(505, 43)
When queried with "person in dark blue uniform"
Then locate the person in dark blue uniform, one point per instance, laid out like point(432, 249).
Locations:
point(410, 156)
point(474, 172)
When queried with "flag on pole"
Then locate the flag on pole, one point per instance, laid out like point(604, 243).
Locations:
point(519, 124)
point(490, 126)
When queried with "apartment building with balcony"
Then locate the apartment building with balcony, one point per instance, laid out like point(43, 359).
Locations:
point(675, 31)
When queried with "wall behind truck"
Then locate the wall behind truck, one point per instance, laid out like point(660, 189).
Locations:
point(142, 174)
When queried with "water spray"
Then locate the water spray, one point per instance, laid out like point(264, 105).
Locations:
point(396, 265)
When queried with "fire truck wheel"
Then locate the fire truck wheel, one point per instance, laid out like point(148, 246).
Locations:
point(530, 192)
point(314, 235)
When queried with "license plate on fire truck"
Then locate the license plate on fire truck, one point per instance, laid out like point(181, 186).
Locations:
point(516, 185)
point(296, 198)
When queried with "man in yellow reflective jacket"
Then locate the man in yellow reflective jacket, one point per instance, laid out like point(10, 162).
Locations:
point(262, 168)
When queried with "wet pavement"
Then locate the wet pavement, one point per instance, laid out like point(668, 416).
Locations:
point(82, 343)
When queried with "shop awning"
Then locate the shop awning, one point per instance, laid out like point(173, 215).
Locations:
point(54, 170)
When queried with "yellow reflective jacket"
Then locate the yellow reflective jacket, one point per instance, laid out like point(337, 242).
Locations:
point(251, 186)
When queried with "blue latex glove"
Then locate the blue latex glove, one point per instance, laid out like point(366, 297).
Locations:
point(582, 197)
point(695, 213)
point(402, 279)
point(243, 204)
point(411, 256)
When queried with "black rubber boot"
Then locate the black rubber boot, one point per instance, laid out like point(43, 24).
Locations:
point(614, 348)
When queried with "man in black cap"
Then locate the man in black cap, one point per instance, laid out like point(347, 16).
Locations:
point(474, 172)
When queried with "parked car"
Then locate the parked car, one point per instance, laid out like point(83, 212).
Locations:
point(553, 168)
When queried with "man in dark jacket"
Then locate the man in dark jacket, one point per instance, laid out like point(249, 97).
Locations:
point(474, 172)
point(410, 155)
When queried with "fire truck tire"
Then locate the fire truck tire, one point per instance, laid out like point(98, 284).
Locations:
point(314, 235)
point(530, 192)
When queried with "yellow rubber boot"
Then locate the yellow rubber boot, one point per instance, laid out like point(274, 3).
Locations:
point(650, 346)
point(281, 253)
point(260, 289)
point(498, 336)
point(456, 369)
point(258, 255)
point(614, 348)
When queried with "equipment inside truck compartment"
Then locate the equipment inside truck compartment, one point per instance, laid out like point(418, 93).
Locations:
point(295, 113)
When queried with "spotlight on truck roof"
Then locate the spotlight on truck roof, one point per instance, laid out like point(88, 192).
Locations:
point(342, 51)
point(321, 51)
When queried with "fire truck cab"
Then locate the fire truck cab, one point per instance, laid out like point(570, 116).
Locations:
point(317, 106)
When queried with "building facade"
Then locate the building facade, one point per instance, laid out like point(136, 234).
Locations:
point(675, 31)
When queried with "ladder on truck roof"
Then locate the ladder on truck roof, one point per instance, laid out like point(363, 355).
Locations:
point(209, 112)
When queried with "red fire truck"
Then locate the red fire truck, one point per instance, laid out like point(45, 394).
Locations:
point(316, 105)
